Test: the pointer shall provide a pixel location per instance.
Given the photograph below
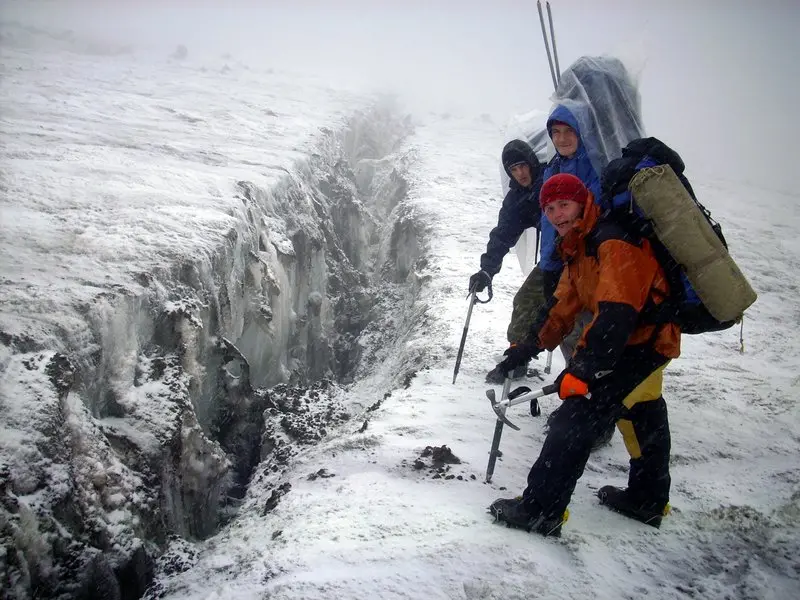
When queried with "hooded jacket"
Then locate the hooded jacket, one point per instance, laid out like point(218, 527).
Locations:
point(597, 97)
point(578, 165)
point(615, 277)
point(520, 209)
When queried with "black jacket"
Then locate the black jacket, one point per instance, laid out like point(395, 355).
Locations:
point(520, 210)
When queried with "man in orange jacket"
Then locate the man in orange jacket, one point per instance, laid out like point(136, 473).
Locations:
point(615, 374)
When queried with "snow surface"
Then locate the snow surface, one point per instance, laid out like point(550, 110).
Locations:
point(379, 528)
point(373, 525)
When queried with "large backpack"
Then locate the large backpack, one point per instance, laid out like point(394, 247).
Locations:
point(683, 306)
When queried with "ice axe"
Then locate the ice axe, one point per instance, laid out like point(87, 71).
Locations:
point(518, 396)
point(473, 300)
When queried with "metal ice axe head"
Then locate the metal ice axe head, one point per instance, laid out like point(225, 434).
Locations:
point(518, 396)
point(499, 409)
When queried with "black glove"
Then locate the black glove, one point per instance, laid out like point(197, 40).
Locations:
point(517, 355)
point(479, 281)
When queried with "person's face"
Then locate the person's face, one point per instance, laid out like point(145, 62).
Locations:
point(563, 214)
point(522, 174)
point(564, 139)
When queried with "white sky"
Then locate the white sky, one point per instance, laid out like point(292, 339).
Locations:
point(715, 74)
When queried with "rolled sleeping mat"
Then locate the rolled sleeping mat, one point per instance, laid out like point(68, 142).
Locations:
point(685, 232)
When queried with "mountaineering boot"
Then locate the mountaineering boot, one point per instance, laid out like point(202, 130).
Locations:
point(497, 376)
point(516, 513)
point(619, 500)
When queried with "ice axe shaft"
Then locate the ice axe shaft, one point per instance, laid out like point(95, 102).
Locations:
point(498, 431)
point(473, 300)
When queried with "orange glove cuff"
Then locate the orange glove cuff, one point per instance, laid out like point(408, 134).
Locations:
point(572, 386)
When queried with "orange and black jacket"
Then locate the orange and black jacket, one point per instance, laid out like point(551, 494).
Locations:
point(616, 277)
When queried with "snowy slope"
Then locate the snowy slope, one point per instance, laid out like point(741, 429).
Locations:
point(114, 164)
point(380, 528)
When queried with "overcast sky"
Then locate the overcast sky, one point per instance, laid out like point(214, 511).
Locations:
point(718, 77)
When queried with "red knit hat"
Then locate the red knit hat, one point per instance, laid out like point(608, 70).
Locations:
point(563, 187)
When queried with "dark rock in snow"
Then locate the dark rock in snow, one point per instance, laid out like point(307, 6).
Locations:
point(272, 501)
point(323, 473)
point(440, 455)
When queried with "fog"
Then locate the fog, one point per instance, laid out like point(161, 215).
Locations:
point(718, 77)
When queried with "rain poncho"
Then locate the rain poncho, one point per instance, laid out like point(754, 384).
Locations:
point(597, 97)
point(604, 99)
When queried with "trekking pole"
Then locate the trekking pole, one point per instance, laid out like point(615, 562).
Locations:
point(473, 300)
point(546, 43)
point(553, 41)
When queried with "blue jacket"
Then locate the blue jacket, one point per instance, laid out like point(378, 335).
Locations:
point(580, 166)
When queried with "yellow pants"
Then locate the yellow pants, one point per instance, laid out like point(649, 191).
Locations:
point(649, 389)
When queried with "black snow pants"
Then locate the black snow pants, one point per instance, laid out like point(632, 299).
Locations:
point(631, 397)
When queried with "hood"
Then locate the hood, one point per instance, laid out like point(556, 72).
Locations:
point(518, 151)
point(564, 115)
point(580, 165)
point(603, 101)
